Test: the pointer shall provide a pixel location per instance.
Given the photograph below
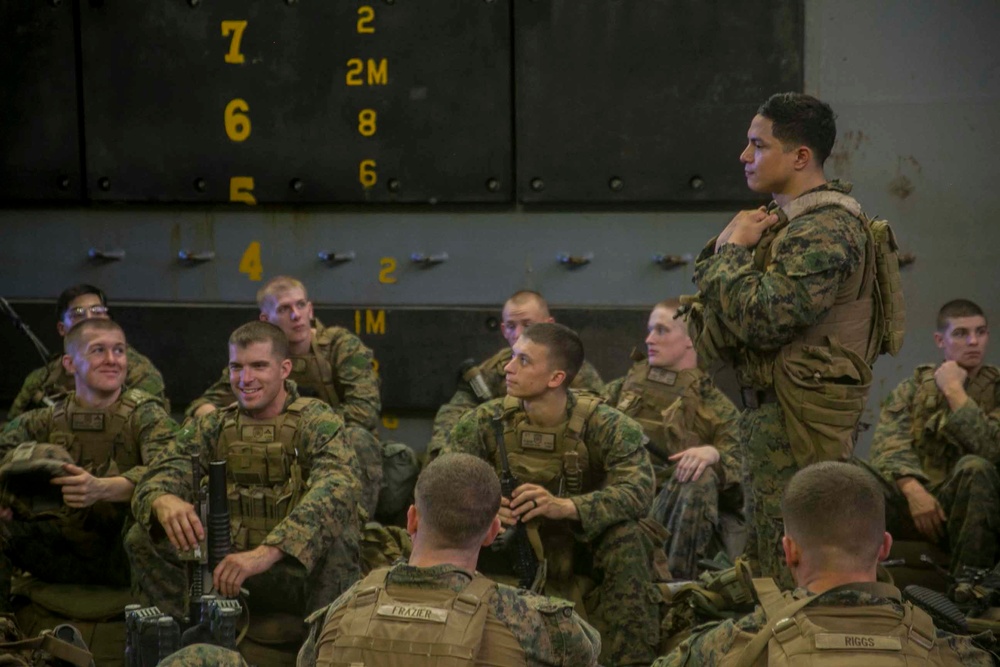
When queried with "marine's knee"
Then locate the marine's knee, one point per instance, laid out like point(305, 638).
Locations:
point(972, 467)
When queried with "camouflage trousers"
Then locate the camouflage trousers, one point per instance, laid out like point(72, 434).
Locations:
point(53, 551)
point(622, 606)
point(691, 512)
point(444, 422)
point(203, 655)
point(768, 465)
point(369, 452)
point(286, 587)
point(970, 497)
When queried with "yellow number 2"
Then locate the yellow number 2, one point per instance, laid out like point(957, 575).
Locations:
point(234, 28)
point(250, 262)
point(366, 16)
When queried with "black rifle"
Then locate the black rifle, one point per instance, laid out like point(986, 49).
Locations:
point(150, 636)
point(197, 559)
point(525, 560)
point(20, 325)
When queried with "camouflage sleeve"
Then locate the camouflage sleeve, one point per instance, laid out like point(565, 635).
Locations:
point(142, 374)
point(892, 453)
point(170, 470)
point(220, 394)
point(717, 420)
point(31, 425)
point(26, 396)
point(705, 647)
point(362, 400)
point(154, 430)
point(581, 642)
point(626, 493)
point(470, 433)
point(612, 392)
point(448, 415)
point(977, 431)
point(767, 309)
point(319, 619)
point(329, 505)
point(589, 379)
point(969, 654)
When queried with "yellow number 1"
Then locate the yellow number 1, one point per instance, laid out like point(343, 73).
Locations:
point(250, 262)
point(234, 28)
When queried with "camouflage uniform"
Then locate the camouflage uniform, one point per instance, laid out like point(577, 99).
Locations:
point(53, 381)
point(702, 415)
point(953, 454)
point(492, 369)
point(610, 547)
point(759, 312)
point(203, 655)
point(81, 545)
point(320, 536)
point(355, 397)
point(711, 642)
point(528, 629)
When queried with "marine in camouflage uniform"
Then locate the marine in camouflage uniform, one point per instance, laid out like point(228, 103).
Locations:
point(939, 434)
point(82, 544)
point(546, 630)
point(319, 537)
point(328, 363)
point(594, 455)
point(203, 655)
point(693, 442)
point(51, 382)
point(770, 284)
point(521, 310)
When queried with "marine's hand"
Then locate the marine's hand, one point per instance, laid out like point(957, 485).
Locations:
point(79, 487)
point(927, 513)
point(236, 568)
point(532, 500)
point(507, 518)
point(746, 228)
point(691, 463)
point(950, 379)
point(179, 521)
point(204, 409)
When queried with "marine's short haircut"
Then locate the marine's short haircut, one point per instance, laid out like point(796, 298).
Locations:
point(957, 308)
point(277, 286)
point(70, 293)
point(524, 296)
point(73, 337)
point(674, 305)
point(258, 331)
point(801, 120)
point(457, 497)
point(835, 511)
point(564, 347)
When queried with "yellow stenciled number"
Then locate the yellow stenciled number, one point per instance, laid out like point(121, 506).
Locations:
point(241, 189)
point(355, 66)
point(250, 263)
point(234, 28)
point(390, 422)
point(366, 173)
point(377, 72)
point(237, 120)
point(366, 17)
point(366, 122)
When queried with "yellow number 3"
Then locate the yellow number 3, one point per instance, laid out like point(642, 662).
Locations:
point(250, 262)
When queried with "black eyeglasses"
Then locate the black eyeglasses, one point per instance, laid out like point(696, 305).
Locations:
point(81, 312)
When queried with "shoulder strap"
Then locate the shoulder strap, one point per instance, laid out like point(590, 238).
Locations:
point(585, 406)
point(813, 200)
point(467, 604)
point(775, 614)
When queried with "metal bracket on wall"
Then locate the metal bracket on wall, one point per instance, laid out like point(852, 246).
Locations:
point(574, 261)
point(906, 258)
point(332, 258)
point(188, 257)
point(672, 261)
point(116, 255)
point(428, 260)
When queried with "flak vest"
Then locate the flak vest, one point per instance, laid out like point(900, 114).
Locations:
point(414, 627)
point(314, 374)
point(866, 636)
point(267, 470)
point(651, 396)
point(98, 440)
point(929, 401)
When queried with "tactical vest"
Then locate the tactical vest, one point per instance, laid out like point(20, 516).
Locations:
point(650, 396)
point(98, 439)
point(929, 402)
point(556, 457)
point(313, 372)
point(852, 317)
point(266, 471)
point(418, 627)
point(857, 635)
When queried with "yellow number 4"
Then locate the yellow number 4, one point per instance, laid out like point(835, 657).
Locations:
point(250, 263)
